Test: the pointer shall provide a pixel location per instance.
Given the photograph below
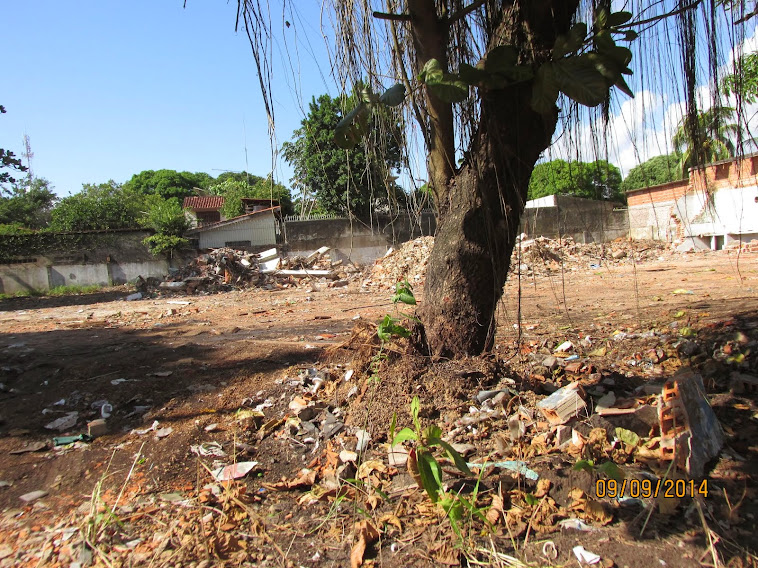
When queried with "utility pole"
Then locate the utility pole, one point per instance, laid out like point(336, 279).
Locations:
point(28, 154)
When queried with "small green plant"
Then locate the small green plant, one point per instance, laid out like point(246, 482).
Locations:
point(421, 460)
point(428, 473)
point(159, 244)
point(74, 289)
point(389, 327)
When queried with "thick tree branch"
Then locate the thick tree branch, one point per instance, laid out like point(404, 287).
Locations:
point(392, 17)
point(466, 11)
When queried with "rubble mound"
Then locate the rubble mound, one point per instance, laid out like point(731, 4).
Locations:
point(409, 261)
point(220, 269)
point(538, 256)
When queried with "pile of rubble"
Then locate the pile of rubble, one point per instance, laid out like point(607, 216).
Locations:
point(225, 269)
point(409, 261)
point(544, 256)
point(539, 256)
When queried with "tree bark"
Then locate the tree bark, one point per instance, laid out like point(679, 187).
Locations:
point(476, 235)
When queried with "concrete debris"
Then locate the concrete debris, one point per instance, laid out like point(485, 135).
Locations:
point(539, 256)
point(564, 404)
point(690, 432)
point(226, 269)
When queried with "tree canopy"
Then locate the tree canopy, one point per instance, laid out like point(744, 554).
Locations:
point(655, 171)
point(28, 203)
point(168, 183)
point(234, 190)
point(593, 180)
point(101, 206)
point(743, 82)
point(344, 181)
point(709, 138)
point(8, 161)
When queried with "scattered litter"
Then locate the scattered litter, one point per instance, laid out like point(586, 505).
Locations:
point(32, 447)
point(517, 466)
point(97, 428)
point(234, 471)
point(163, 432)
point(141, 432)
point(162, 373)
point(208, 449)
point(135, 296)
point(563, 404)
point(575, 524)
point(363, 440)
point(66, 440)
point(585, 556)
point(33, 496)
point(64, 422)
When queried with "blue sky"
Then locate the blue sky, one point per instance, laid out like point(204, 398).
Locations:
point(108, 89)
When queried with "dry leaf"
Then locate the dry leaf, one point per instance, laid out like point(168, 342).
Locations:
point(390, 519)
point(367, 534)
point(495, 512)
point(543, 488)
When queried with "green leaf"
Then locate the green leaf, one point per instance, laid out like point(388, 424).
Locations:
point(578, 78)
point(630, 35)
point(612, 471)
point(403, 436)
point(432, 434)
point(404, 297)
point(432, 71)
point(544, 89)
point(473, 75)
point(450, 89)
point(565, 44)
point(601, 18)
point(431, 474)
point(368, 96)
point(621, 85)
point(393, 425)
point(584, 465)
point(627, 436)
point(453, 507)
point(415, 407)
point(501, 59)
point(393, 96)
point(618, 18)
point(530, 499)
point(350, 130)
point(460, 463)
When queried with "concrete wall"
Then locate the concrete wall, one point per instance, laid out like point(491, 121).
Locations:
point(355, 241)
point(585, 220)
point(25, 277)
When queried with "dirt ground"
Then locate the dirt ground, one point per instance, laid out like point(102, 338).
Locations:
point(225, 369)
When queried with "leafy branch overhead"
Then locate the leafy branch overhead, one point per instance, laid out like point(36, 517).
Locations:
point(582, 66)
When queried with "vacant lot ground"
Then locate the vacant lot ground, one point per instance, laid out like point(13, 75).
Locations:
point(220, 373)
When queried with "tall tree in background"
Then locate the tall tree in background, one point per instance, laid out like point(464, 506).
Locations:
point(520, 56)
point(234, 191)
point(594, 180)
point(709, 138)
point(99, 207)
point(28, 204)
point(344, 181)
point(655, 171)
point(8, 161)
point(168, 183)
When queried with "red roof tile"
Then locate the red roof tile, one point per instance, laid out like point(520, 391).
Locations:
point(203, 202)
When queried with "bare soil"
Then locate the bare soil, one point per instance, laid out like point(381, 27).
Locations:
point(130, 499)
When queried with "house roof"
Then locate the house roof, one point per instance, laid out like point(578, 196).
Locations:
point(203, 202)
point(212, 226)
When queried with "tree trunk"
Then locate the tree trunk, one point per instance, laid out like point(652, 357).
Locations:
point(481, 202)
point(471, 256)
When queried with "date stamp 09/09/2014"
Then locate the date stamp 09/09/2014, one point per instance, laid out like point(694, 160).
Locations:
point(647, 488)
